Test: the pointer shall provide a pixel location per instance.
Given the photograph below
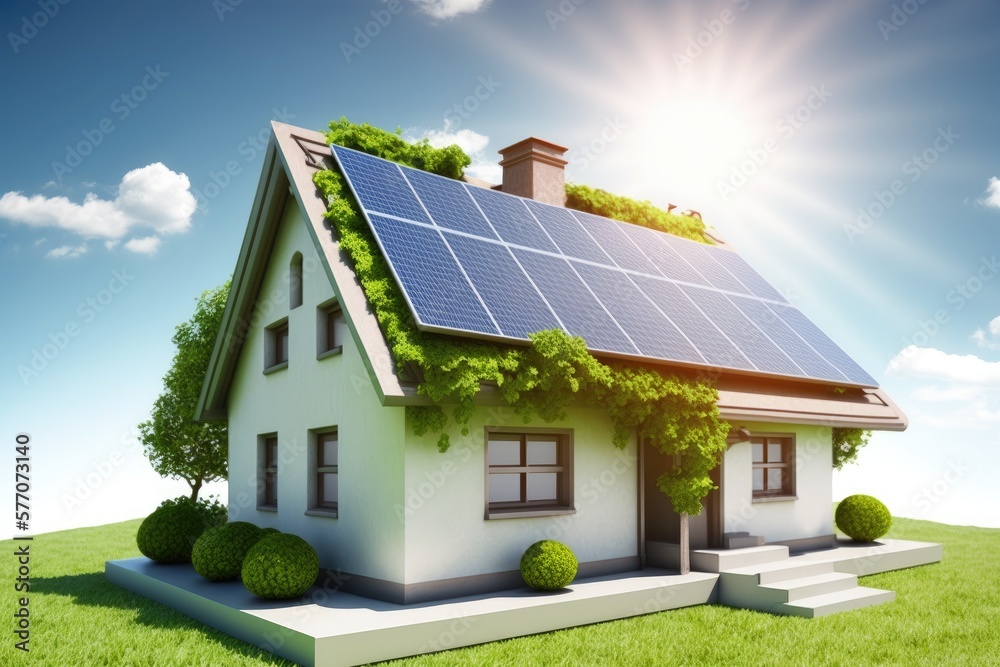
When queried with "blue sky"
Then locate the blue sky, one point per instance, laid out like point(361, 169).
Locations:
point(849, 150)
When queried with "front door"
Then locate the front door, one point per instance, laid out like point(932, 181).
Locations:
point(661, 524)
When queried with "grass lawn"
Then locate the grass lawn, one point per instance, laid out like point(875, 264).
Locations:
point(944, 614)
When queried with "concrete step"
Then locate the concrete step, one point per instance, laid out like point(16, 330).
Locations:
point(723, 560)
point(744, 541)
point(831, 603)
point(769, 573)
point(791, 590)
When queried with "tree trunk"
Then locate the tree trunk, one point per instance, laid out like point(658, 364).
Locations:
point(685, 545)
point(195, 488)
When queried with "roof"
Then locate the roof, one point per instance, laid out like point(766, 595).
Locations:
point(293, 156)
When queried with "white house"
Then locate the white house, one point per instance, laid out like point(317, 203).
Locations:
point(319, 443)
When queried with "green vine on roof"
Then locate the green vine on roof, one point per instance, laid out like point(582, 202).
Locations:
point(677, 415)
point(599, 202)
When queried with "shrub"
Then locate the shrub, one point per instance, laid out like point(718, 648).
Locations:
point(863, 518)
point(548, 565)
point(280, 566)
point(270, 531)
point(219, 552)
point(169, 533)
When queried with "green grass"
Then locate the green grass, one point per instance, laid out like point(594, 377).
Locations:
point(944, 614)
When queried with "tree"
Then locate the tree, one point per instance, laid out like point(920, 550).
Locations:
point(178, 446)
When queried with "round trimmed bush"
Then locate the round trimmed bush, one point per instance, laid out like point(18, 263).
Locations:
point(863, 518)
point(219, 552)
point(270, 531)
point(280, 566)
point(169, 533)
point(548, 565)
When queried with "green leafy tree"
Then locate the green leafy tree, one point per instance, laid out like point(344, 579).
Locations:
point(178, 446)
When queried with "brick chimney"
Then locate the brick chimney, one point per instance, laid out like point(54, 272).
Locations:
point(535, 169)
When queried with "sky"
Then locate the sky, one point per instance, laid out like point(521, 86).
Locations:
point(849, 151)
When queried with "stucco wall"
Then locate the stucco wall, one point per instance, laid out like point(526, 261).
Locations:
point(366, 538)
point(809, 515)
point(447, 535)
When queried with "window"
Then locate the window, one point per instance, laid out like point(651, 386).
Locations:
point(268, 491)
point(528, 473)
point(276, 346)
point(773, 467)
point(295, 281)
point(327, 486)
point(329, 329)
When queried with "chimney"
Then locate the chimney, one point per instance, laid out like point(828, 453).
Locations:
point(535, 169)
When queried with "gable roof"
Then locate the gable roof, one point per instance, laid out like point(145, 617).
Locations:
point(292, 157)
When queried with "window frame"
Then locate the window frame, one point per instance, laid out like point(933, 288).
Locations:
point(295, 281)
point(327, 343)
point(268, 470)
point(273, 336)
point(564, 469)
point(787, 464)
point(319, 467)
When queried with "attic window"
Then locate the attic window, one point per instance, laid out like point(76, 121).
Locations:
point(329, 329)
point(276, 346)
point(295, 281)
point(528, 474)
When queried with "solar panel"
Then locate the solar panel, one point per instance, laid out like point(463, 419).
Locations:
point(477, 262)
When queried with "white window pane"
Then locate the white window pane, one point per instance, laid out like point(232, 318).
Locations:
point(775, 477)
point(329, 488)
point(758, 452)
point(505, 488)
point(774, 452)
point(542, 486)
point(543, 452)
point(329, 450)
point(505, 452)
point(758, 479)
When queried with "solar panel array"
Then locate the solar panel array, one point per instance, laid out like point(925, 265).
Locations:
point(478, 262)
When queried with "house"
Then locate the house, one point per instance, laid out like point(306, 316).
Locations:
point(319, 439)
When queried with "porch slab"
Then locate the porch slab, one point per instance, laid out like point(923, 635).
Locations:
point(875, 557)
point(330, 628)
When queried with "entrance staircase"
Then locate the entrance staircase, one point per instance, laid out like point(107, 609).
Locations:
point(766, 579)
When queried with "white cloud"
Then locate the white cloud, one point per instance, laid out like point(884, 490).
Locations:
point(992, 198)
point(146, 245)
point(948, 394)
point(446, 9)
point(67, 251)
point(41, 241)
point(989, 340)
point(932, 363)
point(111, 245)
point(473, 143)
point(151, 197)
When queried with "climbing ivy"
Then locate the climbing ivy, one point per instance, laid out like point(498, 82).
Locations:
point(597, 201)
point(847, 443)
point(678, 415)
